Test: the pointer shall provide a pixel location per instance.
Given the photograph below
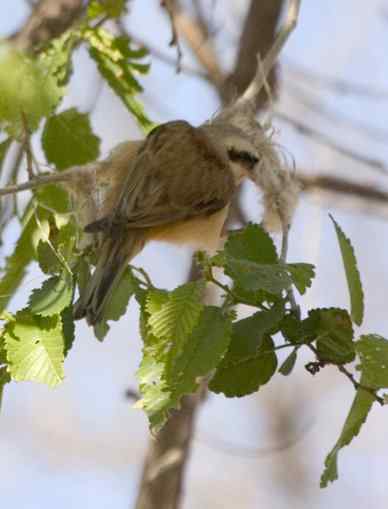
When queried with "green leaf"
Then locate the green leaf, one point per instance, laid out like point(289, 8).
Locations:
point(56, 253)
point(111, 8)
point(352, 275)
point(53, 297)
point(334, 335)
point(68, 329)
point(176, 318)
point(48, 261)
point(4, 379)
point(54, 198)
point(155, 395)
point(249, 333)
point(113, 57)
point(35, 348)
point(253, 277)
point(373, 352)
point(298, 331)
point(118, 303)
point(16, 264)
point(250, 259)
point(56, 57)
point(203, 352)
point(28, 92)
point(357, 415)
point(288, 365)
point(68, 139)
point(163, 388)
point(245, 377)
point(253, 244)
point(302, 275)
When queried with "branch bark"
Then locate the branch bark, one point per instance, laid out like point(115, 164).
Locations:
point(161, 483)
point(257, 37)
point(48, 19)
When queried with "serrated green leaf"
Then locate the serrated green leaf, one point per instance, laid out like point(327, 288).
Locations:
point(289, 363)
point(113, 56)
point(53, 297)
point(155, 395)
point(352, 275)
point(54, 198)
point(202, 352)
point(302, 275)
point(155, 300)
point(373, 352)
point(253, 244)
point(55, 253)
point(248, 334)
point(247, 376)
point(111, 8)
point(299, 331)
point(48, 261)
point(28, 92)
point(176, 318)
point(164, 385)
point(253, 277)
point(35, 348)
point(251, 261)
point(334, 335)
point(68, 139)
point(68, 328)
point(3, 352)
point(118, 303)
point(357, 415)
point(56, 57)
point(4, 379)
point(17, 263)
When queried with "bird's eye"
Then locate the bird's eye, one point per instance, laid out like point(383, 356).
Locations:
point(243, 157)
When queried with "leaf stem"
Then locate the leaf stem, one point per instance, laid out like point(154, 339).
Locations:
point(357, 385)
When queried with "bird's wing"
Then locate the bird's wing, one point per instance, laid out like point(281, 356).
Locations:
point(177, 174)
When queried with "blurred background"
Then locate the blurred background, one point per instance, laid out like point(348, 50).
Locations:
point(82, 444)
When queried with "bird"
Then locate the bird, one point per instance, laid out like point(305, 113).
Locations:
point(178, 188)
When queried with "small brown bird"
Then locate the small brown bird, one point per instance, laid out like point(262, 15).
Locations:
point(178, 189)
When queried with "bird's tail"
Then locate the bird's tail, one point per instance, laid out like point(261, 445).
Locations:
point(113, 259)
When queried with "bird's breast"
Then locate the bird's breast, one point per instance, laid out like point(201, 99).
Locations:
point(202, 232)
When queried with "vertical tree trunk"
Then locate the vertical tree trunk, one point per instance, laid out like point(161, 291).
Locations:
point(161, 485)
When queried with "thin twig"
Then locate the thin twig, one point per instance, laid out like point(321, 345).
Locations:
point(339, 86)
point(27, 146)
point(271, 57)
point(201, 47)
point(169, 6)
point(336, 117)
point(163, 57)
point(357, 385)
point(67, 176)
point(371, 162)
point(335, 184)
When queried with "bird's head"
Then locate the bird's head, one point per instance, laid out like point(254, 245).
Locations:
point(237, 148)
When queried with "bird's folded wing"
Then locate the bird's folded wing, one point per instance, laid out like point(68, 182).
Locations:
point(177, 175)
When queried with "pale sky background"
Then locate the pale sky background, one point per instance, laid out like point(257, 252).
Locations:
point(82, 445)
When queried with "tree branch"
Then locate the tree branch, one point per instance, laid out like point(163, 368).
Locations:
point(48, 19)
point(257, 37)
point(337, 85)
point(302, 128)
